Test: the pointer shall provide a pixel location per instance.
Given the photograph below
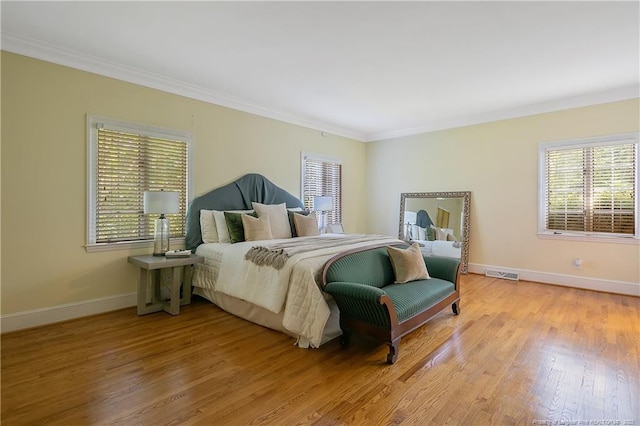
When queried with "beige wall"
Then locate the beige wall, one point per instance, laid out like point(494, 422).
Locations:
point(43, 182)
point(498, 162)
point(44, 173)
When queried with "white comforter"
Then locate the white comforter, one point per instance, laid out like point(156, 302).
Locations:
point(440, 248)
point(294, 288)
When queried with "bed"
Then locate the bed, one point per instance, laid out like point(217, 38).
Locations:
point(433, 241)
point(270, 274)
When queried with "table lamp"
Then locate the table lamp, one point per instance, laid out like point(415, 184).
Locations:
point(323, 204)
point(163, 202)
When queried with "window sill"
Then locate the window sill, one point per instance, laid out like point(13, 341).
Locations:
point(588, 238)
point(128, 245)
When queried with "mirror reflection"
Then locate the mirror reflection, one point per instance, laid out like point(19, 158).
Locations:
point(438, 221)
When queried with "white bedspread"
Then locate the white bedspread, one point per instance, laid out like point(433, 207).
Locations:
point(293, 288)
point(439, 248)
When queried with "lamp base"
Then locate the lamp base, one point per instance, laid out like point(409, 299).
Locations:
point(161, 236)
point(323, 226)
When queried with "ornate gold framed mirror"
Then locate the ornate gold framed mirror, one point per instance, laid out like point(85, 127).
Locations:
point(439, 221)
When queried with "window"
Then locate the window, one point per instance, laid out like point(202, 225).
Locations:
point(589, 188)
point(322, 177)
point(124, 161)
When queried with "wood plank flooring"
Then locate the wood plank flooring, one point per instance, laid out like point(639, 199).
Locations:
point(519, 353)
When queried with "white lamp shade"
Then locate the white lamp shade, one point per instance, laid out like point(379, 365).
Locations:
point(322, 204)
point(164, 202)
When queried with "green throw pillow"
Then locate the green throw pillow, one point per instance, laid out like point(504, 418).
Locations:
point(431, 234)
point(234, 225)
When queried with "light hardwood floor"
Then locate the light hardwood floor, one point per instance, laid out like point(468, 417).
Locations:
point(519, 353)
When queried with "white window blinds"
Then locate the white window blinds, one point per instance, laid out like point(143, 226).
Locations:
point(592, 188)
point(323, 177)
point(128, 162)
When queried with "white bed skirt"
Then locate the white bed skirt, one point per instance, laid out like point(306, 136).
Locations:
point(266, 318)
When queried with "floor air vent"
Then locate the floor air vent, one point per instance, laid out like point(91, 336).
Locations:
point(514, 276)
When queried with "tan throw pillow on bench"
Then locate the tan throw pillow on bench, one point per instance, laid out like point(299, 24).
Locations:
point(408, 265)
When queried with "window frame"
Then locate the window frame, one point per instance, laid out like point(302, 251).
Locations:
point(318, 157)
point(93, 121)
point(543, 232)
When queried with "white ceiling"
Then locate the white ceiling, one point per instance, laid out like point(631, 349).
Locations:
point(366, 70)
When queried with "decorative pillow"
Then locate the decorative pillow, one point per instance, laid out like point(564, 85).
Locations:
point(208, 227)
point(418, 233)
point(221, 224)
point(277, 214)
point(291, 214)
point(234, 226)
point(408, 265)
point(221, 227)
point(450, 237)
point(306, 226)
point(431, 234)
point(441, 234)
point(256, 228)
point(414, 231)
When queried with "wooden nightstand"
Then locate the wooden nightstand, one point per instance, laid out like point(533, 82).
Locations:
point(153, 269)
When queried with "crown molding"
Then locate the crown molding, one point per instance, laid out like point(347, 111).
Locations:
point(70, 58)
point(603, 97)
point(73, 59)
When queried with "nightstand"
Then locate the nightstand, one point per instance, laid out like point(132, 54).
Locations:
point(155, 270)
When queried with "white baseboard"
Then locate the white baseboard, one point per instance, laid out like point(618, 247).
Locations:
point(587, 283)
point(36, 317)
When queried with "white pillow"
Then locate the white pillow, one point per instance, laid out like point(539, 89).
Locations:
point(278, 218)
point(441, 233)
point(208, 227)
point(221, 224)
point(418, 233)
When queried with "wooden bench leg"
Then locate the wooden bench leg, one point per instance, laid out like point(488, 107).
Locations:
point(392, 356)
point(346, 336)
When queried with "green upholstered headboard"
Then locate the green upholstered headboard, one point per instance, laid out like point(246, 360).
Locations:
point(237, 195)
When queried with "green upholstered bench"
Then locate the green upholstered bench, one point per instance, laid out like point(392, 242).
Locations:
point(362, 283)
